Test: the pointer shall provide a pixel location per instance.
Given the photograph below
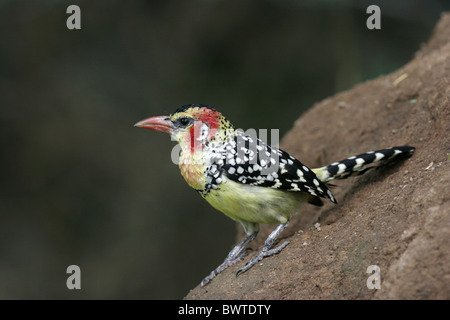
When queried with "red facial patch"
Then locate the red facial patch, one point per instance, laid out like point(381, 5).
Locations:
point(201, 116)
point(195, 133)
point(210, 117)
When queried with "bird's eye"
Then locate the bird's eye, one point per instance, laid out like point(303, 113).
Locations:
point(184, 122)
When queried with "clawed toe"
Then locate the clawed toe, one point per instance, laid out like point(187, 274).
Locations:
point(239, 252)
point(261, 255)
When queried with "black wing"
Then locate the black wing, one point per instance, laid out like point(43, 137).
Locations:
point(249, 160)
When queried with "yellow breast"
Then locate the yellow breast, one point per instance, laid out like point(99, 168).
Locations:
point(193, 170)
point(243, 202)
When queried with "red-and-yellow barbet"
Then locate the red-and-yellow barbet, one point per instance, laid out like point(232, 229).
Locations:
point(249, 180)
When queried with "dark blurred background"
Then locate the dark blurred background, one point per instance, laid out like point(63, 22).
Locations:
point(80, 185)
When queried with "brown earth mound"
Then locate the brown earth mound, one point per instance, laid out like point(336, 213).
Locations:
point(397, 219)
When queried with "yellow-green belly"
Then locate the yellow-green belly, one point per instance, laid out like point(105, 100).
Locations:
point(254, 204)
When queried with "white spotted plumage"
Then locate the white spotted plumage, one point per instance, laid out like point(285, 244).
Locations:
point(252, 161)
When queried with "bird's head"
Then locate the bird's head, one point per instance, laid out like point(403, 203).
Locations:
point(191, 125)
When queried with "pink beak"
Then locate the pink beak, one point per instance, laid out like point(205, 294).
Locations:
point(161, 123)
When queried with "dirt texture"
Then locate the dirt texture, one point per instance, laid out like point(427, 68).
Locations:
point(396, 218)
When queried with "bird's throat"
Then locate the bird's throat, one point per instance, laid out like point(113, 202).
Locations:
point(192, 169)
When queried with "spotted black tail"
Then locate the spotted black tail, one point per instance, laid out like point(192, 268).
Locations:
point(357, 165)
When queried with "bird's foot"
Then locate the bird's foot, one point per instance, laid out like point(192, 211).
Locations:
point(227, 263)
point(265, 252)
point(234, 256)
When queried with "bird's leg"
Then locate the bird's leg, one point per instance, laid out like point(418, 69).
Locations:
point(267, 250)
point(234, 256)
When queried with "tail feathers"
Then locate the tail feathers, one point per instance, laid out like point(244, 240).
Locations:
point(357, 165)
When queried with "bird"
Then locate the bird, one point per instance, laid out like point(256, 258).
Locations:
point(249, 180)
